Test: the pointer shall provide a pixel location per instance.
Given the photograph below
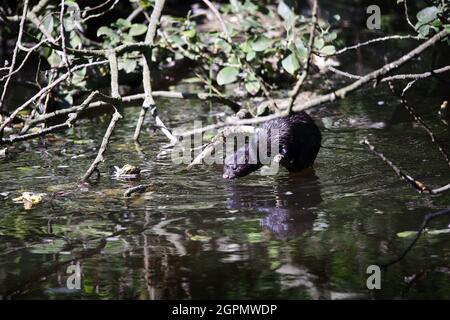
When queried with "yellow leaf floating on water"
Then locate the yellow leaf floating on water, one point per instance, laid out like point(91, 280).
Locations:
point(29, 199)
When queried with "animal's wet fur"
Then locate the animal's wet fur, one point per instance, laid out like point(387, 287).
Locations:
point(299, 141)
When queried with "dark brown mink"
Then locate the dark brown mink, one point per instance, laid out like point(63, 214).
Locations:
point(299, 142)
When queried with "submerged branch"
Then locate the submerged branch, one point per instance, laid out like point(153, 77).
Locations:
point(99, 158)
point(418, 185)
point(426, 220)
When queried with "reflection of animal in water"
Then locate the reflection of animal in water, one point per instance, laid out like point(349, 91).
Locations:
point(298, 139)
point(286, 204)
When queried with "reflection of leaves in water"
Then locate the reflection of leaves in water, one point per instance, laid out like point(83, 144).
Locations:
point(50, 247)
point(89, 228)
point(432, 232)
point(200, 238)
point(249, 230)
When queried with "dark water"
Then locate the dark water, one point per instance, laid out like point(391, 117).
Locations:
point(195, 235)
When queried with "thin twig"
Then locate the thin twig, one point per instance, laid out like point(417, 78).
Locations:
point(45, 90)
point(426, 220)
point(421, 123)
point(14, 57)
point(371, 41)
point(135, 189)
point(149, 102)
point(418, 185)
point(304, 74)
point(407, 15)
point(99, 158)
point(219, 17)
point(63, 37)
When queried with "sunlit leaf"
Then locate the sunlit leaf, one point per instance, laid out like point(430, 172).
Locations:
point(427, 15)
point(290, 64)
point(227, 75)
point(328, 50)
point(261, 43)
point(137, 29)
point(407, 234)
point(252, 84)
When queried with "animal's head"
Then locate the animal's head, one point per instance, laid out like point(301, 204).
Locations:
point(240, 164)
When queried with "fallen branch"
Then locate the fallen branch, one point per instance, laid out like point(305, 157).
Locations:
point(139, 188)
point(217, 140)
point(99, 158)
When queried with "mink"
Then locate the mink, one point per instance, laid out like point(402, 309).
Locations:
point(299, 141)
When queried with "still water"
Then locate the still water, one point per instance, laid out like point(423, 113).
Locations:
point(195, 235)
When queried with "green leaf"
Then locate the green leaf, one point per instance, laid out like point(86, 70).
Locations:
point(189, 34)
point(427, 15)
point(262, 110)
point(424, 30)
point(227, 75)
point(447, 27)
point(319, 43)
point(122, 24)
point(250, 56)
point(328, 50)
point(75, 41)
point(438, 231)
point(79, 75)
point(137, 29)
point(252, 84)
point(200, 238)
point(261, 43)
point(290, 64)
point(128, 65)
point(105, 31)
point(51, 247)
point(300, 49)
point(330, 37)
point(407, 234)
point(286, 9)
point(224, 46)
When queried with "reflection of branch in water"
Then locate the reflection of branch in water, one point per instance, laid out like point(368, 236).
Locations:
point(421, 275)
point(420, 121)
point(173, 238)
point(418, 185)
point(44, 273)
point(426, 220)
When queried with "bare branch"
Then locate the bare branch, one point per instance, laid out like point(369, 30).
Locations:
point(304, 74)
point(14, 57)
point(99, 158)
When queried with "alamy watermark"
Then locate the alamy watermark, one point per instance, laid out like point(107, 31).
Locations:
point(73, 281)
point(237, 149)
point(374, 20)
point(373, 281)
